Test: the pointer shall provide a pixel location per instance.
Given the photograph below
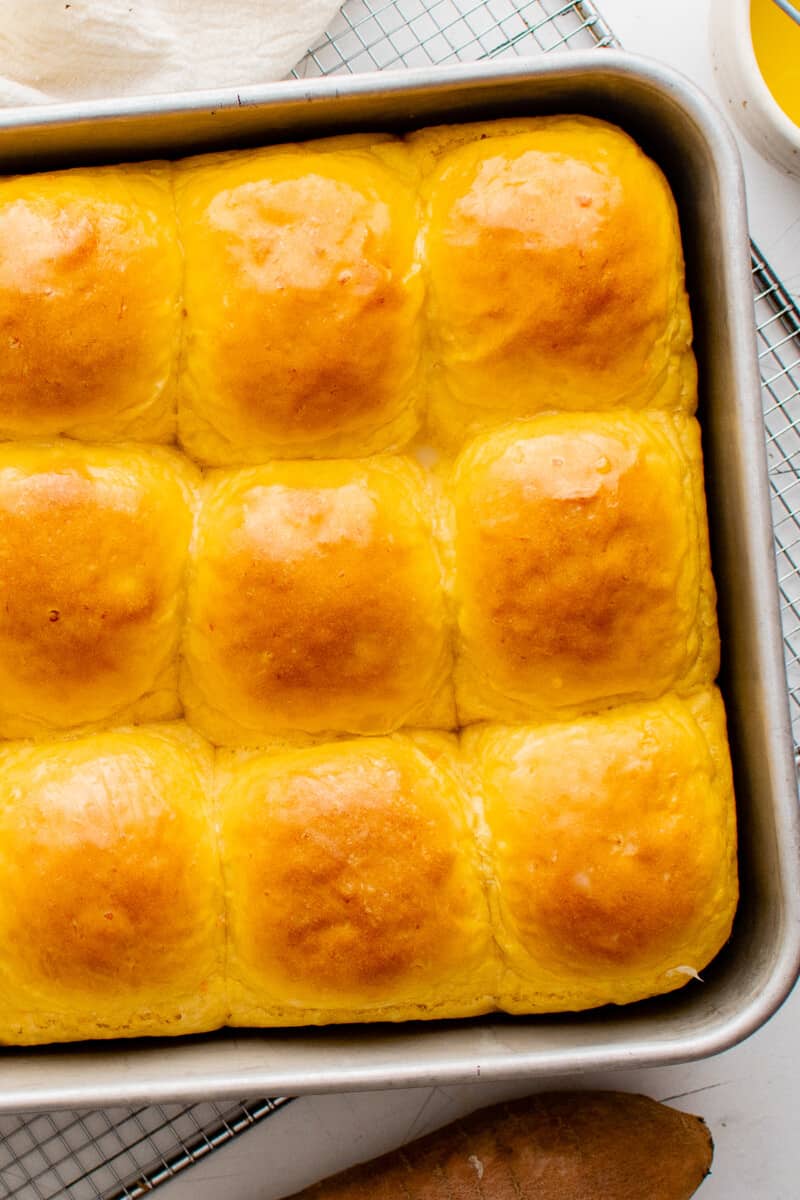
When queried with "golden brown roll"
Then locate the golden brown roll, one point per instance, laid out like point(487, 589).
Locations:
point(316, 603)
point(93, 544)
point(90, 274)
point(517, 284)
point(111, 919)
point(555, 271)
point(303, 296)
point(583, 575)
point(611, 843)
point(352, 885)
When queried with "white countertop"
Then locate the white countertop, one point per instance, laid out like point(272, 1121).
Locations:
point(749, 1095)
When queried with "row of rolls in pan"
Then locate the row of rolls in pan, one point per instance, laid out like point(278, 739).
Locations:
point(428, 579)
point(329, 299)
point(152, 886)
point(558, 565)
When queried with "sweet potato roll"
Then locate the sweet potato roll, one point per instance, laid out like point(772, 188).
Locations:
point(611, 844)
point(303, 297)
point(352, 885)
point(555, 269)
point(90, 304)
point(316, 603)
point(582, 574)
point(111, 917)
point(93, 549)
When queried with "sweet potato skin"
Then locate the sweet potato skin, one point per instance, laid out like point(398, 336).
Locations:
point(553, 1146)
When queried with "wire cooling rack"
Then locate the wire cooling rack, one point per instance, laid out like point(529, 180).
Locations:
point(120, 1153)
point(778, 323)
point(124, 1154)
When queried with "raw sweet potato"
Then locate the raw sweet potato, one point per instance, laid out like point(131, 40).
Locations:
point(555, 1146)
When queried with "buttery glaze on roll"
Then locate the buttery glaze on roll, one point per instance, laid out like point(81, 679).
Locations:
point(611, 841)
point(521, 282)
point(111, 915)
point(316, 603)
point(352, 885)
point(303, 296)
point(90, 276)
point(555, 273)
point(93, 546)
point(582, 565)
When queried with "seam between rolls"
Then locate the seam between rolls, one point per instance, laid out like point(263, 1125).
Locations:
point(179, 360)
point(482, 838)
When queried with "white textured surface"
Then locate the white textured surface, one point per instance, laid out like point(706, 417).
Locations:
point(52, 50)
point(749, 1096)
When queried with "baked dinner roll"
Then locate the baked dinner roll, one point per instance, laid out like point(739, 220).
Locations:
point(303, 295)
point(111, 918)
point(583, 575)
point(612, 848)
point(555, 271)
point(352, 885)
point(93, 545)
point(316, 603)
point(90, 275)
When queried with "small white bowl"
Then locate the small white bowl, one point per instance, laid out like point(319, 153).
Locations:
point(749, 100)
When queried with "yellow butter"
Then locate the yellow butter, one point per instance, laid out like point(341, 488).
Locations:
point(776, 41)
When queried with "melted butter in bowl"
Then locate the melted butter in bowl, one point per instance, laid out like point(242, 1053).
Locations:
point(776, 42)
point(756, 52)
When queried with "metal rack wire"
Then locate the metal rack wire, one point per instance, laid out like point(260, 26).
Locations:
point(778, 324)
point(370, 35)
point(119, 1153)
point(123, 1154)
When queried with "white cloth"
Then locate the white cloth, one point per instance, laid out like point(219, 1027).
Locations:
point(85, 49)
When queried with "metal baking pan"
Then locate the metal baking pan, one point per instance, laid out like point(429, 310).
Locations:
point(743, 987)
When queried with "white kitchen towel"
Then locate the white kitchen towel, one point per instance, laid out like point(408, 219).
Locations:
point(54, 50)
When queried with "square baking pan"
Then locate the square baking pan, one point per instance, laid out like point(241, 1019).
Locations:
point(679, 128)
